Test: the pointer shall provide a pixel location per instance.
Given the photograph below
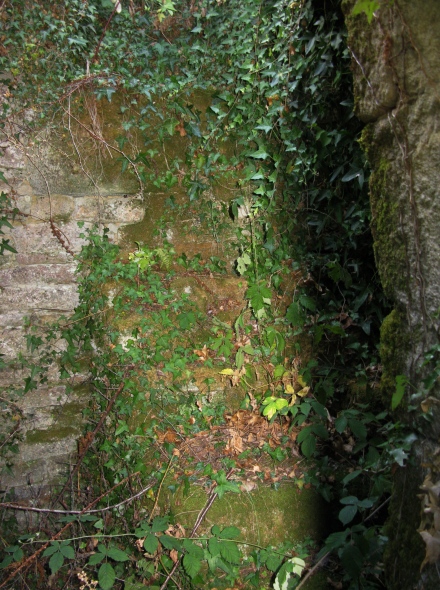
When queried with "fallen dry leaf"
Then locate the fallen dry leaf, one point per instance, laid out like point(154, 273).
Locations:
point(248, 486)
point(432, 544)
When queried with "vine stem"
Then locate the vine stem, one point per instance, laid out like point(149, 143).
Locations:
point(98, 47)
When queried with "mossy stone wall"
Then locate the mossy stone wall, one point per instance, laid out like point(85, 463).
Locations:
point(396, 68)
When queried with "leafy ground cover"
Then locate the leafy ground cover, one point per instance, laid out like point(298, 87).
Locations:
point(227, 369)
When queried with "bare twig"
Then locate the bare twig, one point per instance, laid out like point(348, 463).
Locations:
point(160, 488)
point(211, 499)
point(13, 506)
point(108, 145)
point(12, 433)
point(311, 571)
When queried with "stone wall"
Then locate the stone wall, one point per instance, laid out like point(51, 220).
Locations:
point(396, 67)
point(37, 285)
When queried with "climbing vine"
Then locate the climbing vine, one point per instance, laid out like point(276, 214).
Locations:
point(302, 345)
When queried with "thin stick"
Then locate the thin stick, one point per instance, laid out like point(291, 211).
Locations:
point(53, 511)
point(198, 522)
point(98, 47)
point(160, 488)
point(310, 573)
point(108, 145)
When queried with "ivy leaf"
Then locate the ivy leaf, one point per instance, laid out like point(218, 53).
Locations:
point(367, 6)
point(401, 383)
point(170, 126)
point(224, 485)
point(295, 314)
point(399, 456)
point(106, 576)
point(192, 565)
point(265, 128)
point(259, 296)
point(260, 154)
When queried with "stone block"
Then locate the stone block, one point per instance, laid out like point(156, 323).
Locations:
point(58, 207)
point(110, 209)
point(12, 342)
point(12, 157)
point(36, 274)
point(36, 244)
point(24, 189)
point(39, 464)
point(55, 297)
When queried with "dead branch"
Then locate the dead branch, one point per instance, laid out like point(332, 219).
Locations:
point(13, 506)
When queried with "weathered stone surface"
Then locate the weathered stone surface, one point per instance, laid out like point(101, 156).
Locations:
point(37, 274)
point(34, 242)
point(57, 207)
point(39, 465)
point(60, 297)
point(12, 342)
point(396, 65)
point(114, 209)
point(11, 157)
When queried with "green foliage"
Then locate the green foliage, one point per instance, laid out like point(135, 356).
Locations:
point(278, 76)
point(7, 212)
point(366, 6)
point(58, 551)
